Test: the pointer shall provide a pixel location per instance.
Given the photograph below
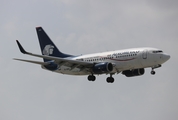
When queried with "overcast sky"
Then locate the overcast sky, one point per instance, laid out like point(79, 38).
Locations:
point(28, 92)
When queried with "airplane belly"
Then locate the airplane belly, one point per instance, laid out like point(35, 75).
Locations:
point(131, 64)
point(68, 71)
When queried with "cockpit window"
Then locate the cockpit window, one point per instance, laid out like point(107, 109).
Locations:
point(157, 51)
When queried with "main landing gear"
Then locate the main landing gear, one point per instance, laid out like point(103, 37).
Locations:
point(91, 78)
point(109, 79)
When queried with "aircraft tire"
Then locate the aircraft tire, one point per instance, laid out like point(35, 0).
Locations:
point(91, 78)
point(110, 79)
point(153, 72)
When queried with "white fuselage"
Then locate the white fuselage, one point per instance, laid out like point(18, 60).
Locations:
point(130, 62)
point(126, 59)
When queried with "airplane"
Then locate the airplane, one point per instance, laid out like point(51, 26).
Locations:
point(130, 62)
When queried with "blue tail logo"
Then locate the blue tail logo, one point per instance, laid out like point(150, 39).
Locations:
point(47, 46)
point(48, 50)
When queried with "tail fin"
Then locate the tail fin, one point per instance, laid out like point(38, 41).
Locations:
point(47, 46)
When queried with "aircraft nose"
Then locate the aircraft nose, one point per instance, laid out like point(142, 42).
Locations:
point(166, 57)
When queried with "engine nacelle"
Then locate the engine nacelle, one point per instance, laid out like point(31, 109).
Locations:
point(101, 68)
point(134, 72)
point(51, 66)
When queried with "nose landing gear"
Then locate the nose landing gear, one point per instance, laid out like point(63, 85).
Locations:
point(152, 71)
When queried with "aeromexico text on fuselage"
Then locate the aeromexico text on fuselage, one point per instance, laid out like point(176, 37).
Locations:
point(110, 56)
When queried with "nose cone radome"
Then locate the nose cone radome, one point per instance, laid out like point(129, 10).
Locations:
point(166, 57)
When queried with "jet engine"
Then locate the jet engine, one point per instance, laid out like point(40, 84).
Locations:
point(134, 72)
point(101, 68)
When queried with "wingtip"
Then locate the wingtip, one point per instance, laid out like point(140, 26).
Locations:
point(20, 47)
point(15, 59)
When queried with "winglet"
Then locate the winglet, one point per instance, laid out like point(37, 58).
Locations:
point(21, 48)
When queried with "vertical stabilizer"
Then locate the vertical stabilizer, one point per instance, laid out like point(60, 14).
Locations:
point(47, 46)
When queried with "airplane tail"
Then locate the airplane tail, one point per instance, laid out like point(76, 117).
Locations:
point(47, 46)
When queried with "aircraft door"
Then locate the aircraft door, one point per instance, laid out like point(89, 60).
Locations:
point(144, 55)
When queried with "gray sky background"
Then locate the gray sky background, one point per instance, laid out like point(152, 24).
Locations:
point(79, 27)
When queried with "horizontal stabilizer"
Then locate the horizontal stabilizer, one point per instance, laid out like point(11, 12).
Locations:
point(30, 61)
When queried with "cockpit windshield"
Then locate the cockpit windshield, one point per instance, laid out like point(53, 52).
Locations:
point(157, 51)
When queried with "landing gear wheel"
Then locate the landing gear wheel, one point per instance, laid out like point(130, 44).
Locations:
point(91, 78)
point(153, 72)
point(110, 79)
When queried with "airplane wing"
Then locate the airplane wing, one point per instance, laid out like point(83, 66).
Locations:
point(30, 61)
point(60, 61)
